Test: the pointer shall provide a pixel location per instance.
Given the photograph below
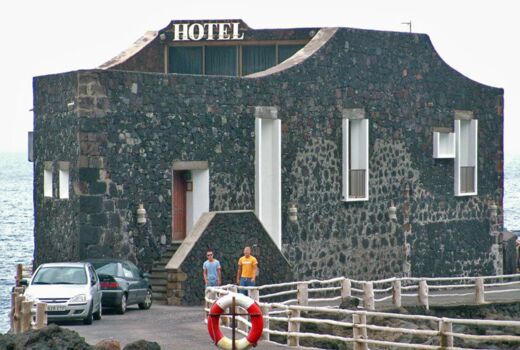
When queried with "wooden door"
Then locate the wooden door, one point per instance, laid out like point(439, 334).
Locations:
point(179, 206)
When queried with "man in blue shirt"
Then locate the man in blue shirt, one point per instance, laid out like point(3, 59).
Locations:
point(211, 270)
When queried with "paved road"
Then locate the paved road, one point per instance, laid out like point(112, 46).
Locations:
point(173, 327)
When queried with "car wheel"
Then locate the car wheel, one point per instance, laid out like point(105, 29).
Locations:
point(122, 305)
point(147, 303)
point(97, 314)
point(90, 317)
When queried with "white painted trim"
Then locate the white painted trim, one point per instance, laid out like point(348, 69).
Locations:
point(441, 142)
point(47, 182)
point(268, 178)
point(474, 156)
point(64, 183)
point(199, 198)
point(364, 144)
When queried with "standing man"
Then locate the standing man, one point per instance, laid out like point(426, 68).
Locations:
point(211, 270)
point(246, 274)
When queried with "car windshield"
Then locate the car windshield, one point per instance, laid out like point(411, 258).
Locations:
point(106, 268)
point(60, 275)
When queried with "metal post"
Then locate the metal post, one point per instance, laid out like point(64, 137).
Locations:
point(254, 294)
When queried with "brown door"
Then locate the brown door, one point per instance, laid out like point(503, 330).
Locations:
point(179, 206)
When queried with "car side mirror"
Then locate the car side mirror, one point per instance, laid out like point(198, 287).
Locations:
point(24, 282)
point(145, 275)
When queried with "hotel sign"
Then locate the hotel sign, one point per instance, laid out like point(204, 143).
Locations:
point(208, 31)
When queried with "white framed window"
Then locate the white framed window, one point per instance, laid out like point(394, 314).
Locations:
point(64, 180)
point(466, 156)
point(47, 179)
point(443, 144)
point(268, 171)
point(355, 156)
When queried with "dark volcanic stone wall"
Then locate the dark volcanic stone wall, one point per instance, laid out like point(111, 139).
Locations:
point(406, 90)
point(56, 224)
point(227, 234)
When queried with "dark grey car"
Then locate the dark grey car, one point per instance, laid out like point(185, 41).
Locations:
point(122, 284)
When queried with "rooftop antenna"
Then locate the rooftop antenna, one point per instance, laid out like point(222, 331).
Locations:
point(409, 24)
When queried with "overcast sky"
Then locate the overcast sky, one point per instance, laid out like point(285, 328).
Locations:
point(478, 38)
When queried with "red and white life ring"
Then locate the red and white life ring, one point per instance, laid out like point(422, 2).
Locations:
point(255, 313)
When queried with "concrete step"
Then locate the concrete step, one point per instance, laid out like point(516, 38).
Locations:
point(159, 275)
point(159, 296)
point(159, 289)
point(158, 281)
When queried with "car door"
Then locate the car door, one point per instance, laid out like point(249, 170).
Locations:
point(95, 289)
point(133, 283)
point(141, 285)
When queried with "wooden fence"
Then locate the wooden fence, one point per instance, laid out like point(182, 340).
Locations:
point(25, 314)
point(293, 310)
point(392, 292)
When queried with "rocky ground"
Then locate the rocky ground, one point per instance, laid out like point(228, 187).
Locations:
point(54, 337)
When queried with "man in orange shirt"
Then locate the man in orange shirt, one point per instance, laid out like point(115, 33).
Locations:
point(246, 274)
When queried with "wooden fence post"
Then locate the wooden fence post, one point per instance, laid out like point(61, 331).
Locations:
point(41, 315)
point(14, 295)
point(423, 294)
point(18, 313)
point(359, 332)
point(446, 340)
point(265, 312)
point(26, 318)
point(480, 296)
point(303, 293)
point(19, 274)
point(293, 326)
point(254, 294)
point(346, 288)
point(396, 293)
point(368, 296)
point(209, 295)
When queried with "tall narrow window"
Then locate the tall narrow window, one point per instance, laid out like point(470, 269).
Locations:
point(355, 155)
point(257, 58)
point(47, 179)
point(221, 60)
point(185, 60)
point(466, 132)
point(64, 180)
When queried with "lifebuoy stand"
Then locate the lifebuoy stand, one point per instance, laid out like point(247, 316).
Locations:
point(230, 301)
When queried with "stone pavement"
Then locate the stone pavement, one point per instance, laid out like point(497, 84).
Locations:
point(173, 327)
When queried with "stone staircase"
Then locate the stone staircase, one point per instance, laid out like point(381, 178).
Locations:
point(159, 275)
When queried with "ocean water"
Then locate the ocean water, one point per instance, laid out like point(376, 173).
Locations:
point(16, 224)
point(16, 218)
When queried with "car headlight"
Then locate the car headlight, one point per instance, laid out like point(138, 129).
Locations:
point(78, 299)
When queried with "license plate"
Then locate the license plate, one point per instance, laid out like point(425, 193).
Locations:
point(56, 307)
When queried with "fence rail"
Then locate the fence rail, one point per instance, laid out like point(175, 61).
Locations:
point(284, 318)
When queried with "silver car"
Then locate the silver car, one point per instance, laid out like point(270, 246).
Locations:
point(71, 291)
